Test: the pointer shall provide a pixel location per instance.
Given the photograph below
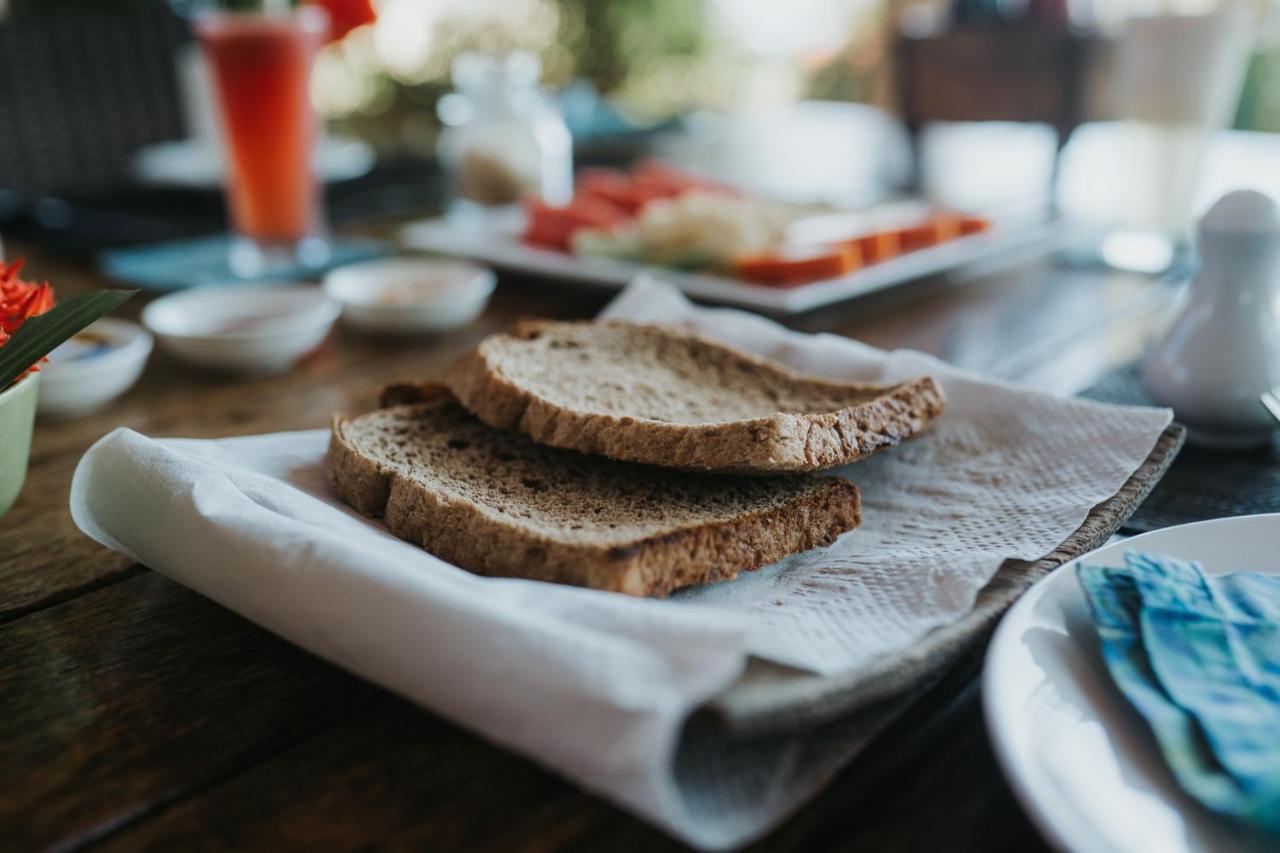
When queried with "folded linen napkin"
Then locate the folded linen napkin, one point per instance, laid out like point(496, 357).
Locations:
point(1199, 657)
point(600, 686)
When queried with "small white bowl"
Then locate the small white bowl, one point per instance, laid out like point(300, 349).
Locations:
point(410, 295)
point(246, 328)
point(93, 368)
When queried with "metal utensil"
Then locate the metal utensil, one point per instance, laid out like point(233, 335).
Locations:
point(1271, 399)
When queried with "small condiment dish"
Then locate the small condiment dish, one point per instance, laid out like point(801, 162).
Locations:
point(93, 368)
point(410, 295)
point(245, 328)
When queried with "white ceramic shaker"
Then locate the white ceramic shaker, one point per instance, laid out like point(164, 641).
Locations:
point(504, 139)
point(1224, 349)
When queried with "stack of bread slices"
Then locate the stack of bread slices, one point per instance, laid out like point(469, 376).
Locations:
point(632, 458)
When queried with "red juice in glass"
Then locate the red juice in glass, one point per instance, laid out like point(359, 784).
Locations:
point(261, 68)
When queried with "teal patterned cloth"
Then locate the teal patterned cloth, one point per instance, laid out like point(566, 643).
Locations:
point(202, 262)
point(1198, 656)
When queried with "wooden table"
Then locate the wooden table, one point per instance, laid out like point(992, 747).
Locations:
point(136, 714)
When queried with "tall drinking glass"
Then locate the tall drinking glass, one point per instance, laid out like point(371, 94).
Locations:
point(260, 61)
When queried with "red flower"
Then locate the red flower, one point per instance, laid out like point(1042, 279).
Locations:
point(346, 15)
point(20, 299)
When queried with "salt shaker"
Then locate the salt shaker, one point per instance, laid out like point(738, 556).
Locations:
point(1224, 349)
point(504, 140)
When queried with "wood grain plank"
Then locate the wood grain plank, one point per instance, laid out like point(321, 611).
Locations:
point(395, 777)
point(126, 697)
point(46, 556)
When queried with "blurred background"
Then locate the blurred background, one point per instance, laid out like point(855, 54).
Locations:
point(1097, 110)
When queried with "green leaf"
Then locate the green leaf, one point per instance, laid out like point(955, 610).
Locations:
point(39, 336)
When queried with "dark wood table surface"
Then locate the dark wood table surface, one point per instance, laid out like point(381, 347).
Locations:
point(135, 714)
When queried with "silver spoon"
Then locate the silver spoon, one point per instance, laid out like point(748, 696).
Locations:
point(1271, 399)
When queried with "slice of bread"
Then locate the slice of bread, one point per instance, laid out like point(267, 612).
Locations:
point(667, 397)
point(498, 504)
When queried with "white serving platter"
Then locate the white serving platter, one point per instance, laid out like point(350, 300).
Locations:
point(1080, 759)
point(196, 164)
point(504, 250)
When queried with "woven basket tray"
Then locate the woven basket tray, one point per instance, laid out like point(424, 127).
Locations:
point(771, 699)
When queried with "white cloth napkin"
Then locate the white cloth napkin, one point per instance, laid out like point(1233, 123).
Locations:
point(599, 686)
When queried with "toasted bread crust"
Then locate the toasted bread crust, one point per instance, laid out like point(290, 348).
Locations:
point(780, 442)
point(457, 531)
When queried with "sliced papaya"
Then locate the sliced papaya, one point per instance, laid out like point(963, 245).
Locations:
point(878, 246)
point(789, 270)
point(973, 225)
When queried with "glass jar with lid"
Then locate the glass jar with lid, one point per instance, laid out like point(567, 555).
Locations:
point(503, 139)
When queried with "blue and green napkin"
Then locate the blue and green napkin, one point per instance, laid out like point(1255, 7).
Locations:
point(1198, 656)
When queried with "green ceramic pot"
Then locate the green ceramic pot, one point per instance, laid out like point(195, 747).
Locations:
point(17, 415)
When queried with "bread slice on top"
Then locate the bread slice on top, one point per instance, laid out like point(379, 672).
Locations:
point(668, 397)
point(498, 503)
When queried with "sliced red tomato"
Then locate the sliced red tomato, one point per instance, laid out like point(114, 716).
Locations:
point(789, 270)
point(620, 190)
point(553, 227)
point(657, 176)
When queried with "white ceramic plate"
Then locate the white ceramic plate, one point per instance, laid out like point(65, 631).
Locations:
point(507, 252)
point(1081, 760)
point(193, 164)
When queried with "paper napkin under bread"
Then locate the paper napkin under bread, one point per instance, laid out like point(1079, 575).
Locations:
point(598, 686)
